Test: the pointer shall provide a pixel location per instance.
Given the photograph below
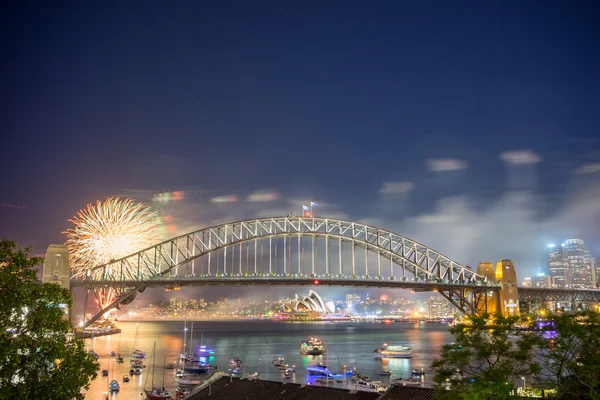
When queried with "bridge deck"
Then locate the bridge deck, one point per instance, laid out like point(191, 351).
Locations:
point(292, 281)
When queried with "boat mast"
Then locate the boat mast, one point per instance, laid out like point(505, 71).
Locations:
point(135, 337)
point(184, 337)
point(153, 362)
point(165, 363)
point(190, 351)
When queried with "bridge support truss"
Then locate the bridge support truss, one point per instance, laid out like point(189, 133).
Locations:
point(283, 249)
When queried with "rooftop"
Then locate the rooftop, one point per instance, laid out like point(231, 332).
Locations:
point(227, 388)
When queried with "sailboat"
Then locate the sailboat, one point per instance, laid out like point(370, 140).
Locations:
point(136, 353)
point(113, 386)
point(157, 393)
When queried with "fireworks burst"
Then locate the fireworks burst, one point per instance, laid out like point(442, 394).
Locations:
point(108, 231)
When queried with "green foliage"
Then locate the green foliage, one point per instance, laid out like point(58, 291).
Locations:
point(571, 359)
point(37, 360)
point(488, 357)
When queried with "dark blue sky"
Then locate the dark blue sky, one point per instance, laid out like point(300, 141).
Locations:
point(312, 99)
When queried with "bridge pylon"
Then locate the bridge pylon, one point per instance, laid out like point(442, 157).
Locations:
point(504, 301)
point(57, 270)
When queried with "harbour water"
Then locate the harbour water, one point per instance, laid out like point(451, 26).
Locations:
point(258, 343)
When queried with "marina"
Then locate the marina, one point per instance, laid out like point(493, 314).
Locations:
point(266, 351)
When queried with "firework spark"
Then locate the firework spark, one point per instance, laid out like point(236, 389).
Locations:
point(108, 231)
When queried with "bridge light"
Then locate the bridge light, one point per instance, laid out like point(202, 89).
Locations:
point(316, 282)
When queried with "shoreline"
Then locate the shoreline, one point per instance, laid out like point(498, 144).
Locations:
point(91, 335)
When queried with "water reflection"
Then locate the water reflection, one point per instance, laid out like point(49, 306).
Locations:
point(258, 343)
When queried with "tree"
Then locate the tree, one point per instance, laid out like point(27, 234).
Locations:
point(38, 360)
point(489, 355)
point(571, 356)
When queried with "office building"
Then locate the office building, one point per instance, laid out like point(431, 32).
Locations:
point(541, 281)
point(580, 264)
point(557, 266)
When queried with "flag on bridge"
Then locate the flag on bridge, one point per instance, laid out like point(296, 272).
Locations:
point(306, 211)
point(313, 204)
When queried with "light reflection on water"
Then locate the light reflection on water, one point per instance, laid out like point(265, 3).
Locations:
point(258, 343)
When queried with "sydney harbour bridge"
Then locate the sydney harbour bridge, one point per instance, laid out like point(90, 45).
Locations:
point(311, 251)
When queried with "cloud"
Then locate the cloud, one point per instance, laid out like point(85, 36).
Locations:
point(232, 198)
point(396, 187)
point(520, 157)
point(263, 195)
point(591, 168)
point(446, 164)
point(517, 226)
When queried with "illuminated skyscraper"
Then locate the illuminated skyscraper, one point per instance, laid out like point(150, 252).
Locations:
point(580, 264)
point(557, 266)
point(571, 265)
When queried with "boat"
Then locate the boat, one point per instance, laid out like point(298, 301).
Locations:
point(317, 369)
point(135, 371)
point(139, 354)
point(188, 357)
point(255, 375)
point(113, 353)
point(196, 368)
point(119, 359)
point(312, 347)
point(324, 380)
point(136, 362)
point(125, 379)
point(385, 373)
point(157, 393)
point(393, 352)
point(418, 374)
point(234, 371)
point(291, 369)
point(235, 362)
point(285, 375)
point(205, 351)
point(181, 392)
point(183, 379)
point(280, 362)
point(136, 353)
point(114, 386)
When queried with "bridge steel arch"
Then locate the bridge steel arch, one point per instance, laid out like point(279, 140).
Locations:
point(410, 258)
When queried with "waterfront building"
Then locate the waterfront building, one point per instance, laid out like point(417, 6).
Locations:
point(541, 281)
point(352, 299)
point(438, 307)
point(311, 305)
point(526, 282)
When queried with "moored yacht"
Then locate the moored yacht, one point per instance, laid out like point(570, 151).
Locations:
point(312, 347)
point(114, 386)
point(318, 369)
point(393, 352)
point(183, 379)
point(138, 354)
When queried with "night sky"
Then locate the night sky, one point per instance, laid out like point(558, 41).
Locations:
point(470, 126)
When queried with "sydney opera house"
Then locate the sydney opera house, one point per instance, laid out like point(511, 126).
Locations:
point(311, 306)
